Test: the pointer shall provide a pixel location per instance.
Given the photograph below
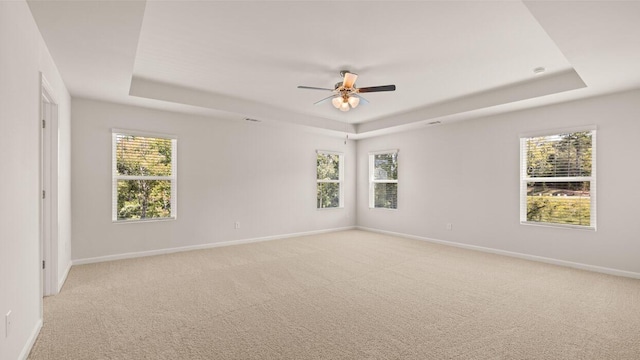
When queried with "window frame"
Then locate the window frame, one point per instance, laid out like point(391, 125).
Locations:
point(340, 180)
point(524, 179)
point(373, 181)
point(115, 177)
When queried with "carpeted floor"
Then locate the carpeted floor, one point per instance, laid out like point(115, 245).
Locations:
point(344, 295)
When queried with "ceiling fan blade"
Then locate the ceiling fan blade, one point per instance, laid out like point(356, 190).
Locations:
point(349, 80)
point(313, 88)
point(325, 99)
point(362, 100)
point(377, 88)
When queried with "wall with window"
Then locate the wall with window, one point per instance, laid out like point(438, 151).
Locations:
point(228, 171)
point(467, 174)
point(23, 56)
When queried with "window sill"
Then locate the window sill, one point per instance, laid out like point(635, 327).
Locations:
point(138, 221)
point(330, 208)
point(383, 208)
point(559, 226)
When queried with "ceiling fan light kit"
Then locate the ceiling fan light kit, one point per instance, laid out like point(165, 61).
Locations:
point(345, 102)
point(345, 95)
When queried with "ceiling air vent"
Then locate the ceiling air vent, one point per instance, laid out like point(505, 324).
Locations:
point(252, 120)
point(434, 123)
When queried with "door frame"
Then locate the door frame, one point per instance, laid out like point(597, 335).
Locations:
point(48, 124)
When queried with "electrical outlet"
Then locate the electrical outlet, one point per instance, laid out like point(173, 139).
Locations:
point(449, 226)
point(237, 225)
point(7, 324)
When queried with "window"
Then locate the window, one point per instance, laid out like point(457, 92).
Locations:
point(558, 179)
point(383, 179)
point(330, 174)
point(144, 176)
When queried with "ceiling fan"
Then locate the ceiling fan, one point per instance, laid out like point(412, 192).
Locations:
point(345, 94)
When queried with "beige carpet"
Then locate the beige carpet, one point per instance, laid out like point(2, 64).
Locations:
point(345, 295)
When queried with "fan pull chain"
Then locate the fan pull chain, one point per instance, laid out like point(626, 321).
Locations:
point(346, 132)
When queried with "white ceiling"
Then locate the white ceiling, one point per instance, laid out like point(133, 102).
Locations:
point(449, 60)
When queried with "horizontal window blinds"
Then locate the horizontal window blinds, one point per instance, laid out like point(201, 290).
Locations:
point(143, 156)
point(558, 179)
point(383, 179)
point(144, 177)
point(329, 177)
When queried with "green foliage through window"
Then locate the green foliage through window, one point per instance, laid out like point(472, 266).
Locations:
point(562, 155)
point(329, 179)
point(386, 195)
point(557, 180)
point(559, 203)
point(144, 178)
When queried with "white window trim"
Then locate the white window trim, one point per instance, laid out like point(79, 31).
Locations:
point(373, 181)
point(339, 181)
point(524, 179)
point(115, 177)
point(556, 131)
point(143, 133)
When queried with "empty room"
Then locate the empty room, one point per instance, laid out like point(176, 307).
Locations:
point(319, 180)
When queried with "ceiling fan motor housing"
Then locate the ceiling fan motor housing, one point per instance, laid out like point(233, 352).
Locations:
point(343, 72)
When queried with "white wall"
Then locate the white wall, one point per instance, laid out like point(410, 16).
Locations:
point(228, 171)
point(23, 56)
point(467, 174)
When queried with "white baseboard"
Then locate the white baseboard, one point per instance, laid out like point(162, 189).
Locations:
point(202, 246)
point(32, 340)
point(547, 260)
point(64, 277)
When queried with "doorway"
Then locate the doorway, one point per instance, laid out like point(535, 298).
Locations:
point(49, 189)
